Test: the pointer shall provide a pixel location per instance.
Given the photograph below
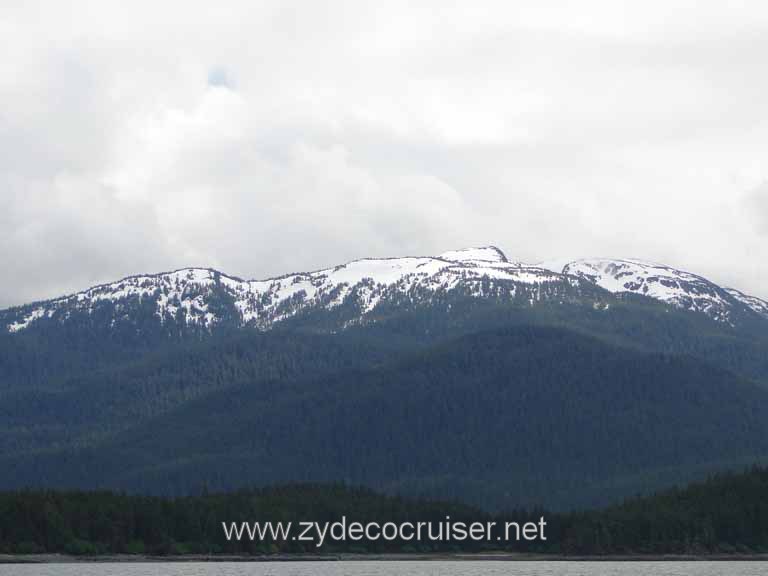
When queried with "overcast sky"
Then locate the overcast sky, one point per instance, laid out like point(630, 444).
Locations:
point(262, 138)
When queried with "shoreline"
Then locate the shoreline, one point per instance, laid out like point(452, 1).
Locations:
point(454, 557)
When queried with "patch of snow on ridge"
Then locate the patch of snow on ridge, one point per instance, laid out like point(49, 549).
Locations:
point(481, 254)
point(171, 290)
point(36, 314)
point(555, 265)
point(753, 302)
point(676, 287)
point(372, 277)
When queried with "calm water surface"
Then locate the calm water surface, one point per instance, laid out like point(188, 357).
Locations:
point(396, 569)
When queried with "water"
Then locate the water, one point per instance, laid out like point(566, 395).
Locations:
point(433, 568)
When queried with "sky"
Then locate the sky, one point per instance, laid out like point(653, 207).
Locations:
point(262, 138)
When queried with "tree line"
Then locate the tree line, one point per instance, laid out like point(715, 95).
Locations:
point(726, 514)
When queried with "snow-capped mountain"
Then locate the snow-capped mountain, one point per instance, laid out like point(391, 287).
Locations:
point(206, 298)
point(753, 302)
point(678, 288)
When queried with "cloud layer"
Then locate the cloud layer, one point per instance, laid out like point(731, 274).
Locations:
point(269, 137)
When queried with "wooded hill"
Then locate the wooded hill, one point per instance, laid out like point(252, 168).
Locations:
point(727, 514)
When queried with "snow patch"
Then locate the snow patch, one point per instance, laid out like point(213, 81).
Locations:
point(676, 287)
point(481, 254)
point(752, 302)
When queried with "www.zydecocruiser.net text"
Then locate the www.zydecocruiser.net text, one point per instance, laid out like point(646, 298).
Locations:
point(347, 531)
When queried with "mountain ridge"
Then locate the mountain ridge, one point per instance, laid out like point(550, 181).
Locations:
point(186, 294)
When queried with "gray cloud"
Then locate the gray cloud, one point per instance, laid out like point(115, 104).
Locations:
point(369, 129)
point(757, 205)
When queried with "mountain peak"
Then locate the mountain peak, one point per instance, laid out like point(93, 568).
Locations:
point(656, 281)
point(478, 254)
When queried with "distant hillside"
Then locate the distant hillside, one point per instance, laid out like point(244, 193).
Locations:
point(727, 514)
point(513, 416)
point(465, 375)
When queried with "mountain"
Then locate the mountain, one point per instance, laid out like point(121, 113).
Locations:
point(681, 289)
point(206, 298)
point(756, 304)
point(464, 375)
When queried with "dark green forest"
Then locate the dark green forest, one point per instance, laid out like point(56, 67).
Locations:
point(497, 406)
point(727, 514)
point(495, 403)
